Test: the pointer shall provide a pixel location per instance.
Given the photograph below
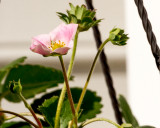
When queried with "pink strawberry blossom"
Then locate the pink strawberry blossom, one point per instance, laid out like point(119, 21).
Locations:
point(58, 41)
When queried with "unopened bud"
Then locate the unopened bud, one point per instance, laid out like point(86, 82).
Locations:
point(117, 36)
point(15, 87)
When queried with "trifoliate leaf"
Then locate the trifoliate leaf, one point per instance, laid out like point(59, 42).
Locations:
point(34, 79)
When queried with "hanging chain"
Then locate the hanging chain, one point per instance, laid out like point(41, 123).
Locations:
point(148, 29)
point(106, 70)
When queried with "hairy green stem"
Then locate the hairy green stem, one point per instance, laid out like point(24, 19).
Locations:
point(31, 110)
point(63, 92)
point(89, 75)
point(24, 114)
point(20, 116)
point(73, 55)
point(68, 90)
point(99, 119)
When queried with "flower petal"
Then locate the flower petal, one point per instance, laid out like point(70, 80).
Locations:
point(44, 39)
point(64, 32)
point(70, 44)
point(39, 46)
point(61, 51)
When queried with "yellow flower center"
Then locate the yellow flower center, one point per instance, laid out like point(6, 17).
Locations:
point(57, 44)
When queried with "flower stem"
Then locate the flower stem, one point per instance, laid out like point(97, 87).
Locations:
point(16, 114)
point(24, 114)
point(68, 90)
point(30, 109)
point(63, 92)
point(73, 55)
point(89, 75)
point(99, 119)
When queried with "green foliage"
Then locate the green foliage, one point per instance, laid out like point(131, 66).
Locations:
point(91, 105)
point(34, 79)
point(15, 125)
point(6, 69)
point(13, 63)
point(82, 16)
point(90, 108)
point(2, 75)
point(49, 108)
point(66, 114)
point(117, 37)
point(127, 113)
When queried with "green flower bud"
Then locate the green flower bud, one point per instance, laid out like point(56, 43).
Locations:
point(80, 15)
point(117, 36)
point(15, 87)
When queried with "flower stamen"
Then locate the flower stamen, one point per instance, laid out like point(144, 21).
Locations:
point(57, 44)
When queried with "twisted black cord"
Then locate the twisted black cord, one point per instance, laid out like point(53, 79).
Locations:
point(148, 29)
point(106, 69)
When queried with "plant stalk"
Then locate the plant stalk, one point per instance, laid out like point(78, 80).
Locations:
point(68, 90)
point(89, 75)
point(31, 110)
point(20, 116)
point(63, 92)
point(24, 114)
point(99, 119)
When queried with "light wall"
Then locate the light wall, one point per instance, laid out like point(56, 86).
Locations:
point(143, 75)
